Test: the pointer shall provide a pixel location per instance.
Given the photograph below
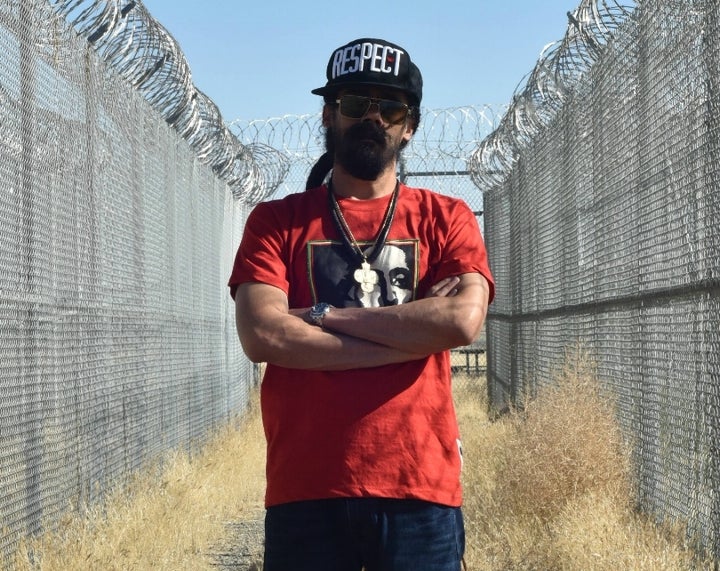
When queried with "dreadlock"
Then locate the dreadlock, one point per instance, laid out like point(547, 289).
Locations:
point(320, 170)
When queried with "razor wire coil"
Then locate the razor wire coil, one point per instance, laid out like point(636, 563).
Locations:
point(143, 52)
point(558, 71)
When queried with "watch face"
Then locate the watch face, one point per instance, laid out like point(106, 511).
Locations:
point(318, 311)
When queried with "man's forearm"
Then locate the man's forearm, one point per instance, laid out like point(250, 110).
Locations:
point(269, 333)
point(360, 337)
point(332, 351)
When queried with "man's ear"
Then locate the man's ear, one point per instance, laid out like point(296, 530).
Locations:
point(409, 130)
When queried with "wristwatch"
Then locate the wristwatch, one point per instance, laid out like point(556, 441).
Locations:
point(318, 313)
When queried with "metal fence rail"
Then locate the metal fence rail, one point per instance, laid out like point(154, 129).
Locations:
point(602, 209)
point(117, 336)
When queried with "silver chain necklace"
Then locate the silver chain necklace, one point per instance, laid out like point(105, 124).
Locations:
point(364, 275)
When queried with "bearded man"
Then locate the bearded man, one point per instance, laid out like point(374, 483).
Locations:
point(364, 456)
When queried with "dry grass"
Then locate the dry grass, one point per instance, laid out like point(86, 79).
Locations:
point(547, 489)
point(165, 519)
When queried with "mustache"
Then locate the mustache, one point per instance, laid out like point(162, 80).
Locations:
point(367, 130)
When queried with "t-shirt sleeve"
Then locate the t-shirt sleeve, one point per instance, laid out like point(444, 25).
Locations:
point(261, 255)
point(464, 248)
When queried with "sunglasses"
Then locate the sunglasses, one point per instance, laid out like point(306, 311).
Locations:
point(357, 106)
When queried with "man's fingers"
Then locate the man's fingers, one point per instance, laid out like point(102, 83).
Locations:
point(444, 288)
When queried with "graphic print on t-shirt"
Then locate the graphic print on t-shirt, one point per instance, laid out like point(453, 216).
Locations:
point(331, 271)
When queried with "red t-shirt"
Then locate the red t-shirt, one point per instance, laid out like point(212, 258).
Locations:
point(385, 431)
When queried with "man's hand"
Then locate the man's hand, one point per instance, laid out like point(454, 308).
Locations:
point(444, 288)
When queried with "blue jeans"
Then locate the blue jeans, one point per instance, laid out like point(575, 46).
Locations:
point(349, 534)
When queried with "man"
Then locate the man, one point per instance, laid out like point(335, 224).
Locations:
point(363, 457)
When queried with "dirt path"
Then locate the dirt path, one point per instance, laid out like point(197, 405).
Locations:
point(241, 549)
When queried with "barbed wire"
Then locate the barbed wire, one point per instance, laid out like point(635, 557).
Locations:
point(558, 71)
point(441, 146)
point(441, 132)
point(141, 51)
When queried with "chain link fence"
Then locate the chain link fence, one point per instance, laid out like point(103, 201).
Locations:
point(117, 335)
point(602, 208)
point(125, 195)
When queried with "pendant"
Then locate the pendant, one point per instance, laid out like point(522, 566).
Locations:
point(366, 277)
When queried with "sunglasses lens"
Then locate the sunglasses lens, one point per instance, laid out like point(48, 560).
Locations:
point(393, 111)
point(356, 106)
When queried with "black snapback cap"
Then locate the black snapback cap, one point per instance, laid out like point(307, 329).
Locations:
point(375, 62)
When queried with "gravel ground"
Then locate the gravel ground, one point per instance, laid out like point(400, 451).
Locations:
point(242, 548)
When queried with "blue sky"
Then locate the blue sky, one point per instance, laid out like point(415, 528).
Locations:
point(260, 59)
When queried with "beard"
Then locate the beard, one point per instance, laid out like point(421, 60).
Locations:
point(363, 150)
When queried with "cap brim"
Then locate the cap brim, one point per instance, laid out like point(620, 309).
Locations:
point(327, 90)
point(322, 91)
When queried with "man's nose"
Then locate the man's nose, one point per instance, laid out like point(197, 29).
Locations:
point(373, 113)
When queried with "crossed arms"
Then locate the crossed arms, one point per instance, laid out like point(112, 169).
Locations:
point(351, 338)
